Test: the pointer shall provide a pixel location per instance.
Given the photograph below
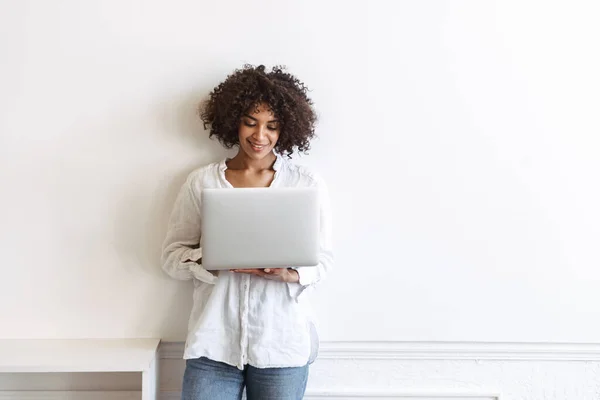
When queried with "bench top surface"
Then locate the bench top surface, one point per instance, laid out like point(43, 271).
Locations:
point(77, 355)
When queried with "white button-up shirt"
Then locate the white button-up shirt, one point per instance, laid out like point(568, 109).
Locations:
point(239, 318)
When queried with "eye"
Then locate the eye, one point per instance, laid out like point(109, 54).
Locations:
point(272, 128)
point(249, 124)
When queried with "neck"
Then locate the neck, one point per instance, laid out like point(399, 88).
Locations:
point(242, 161)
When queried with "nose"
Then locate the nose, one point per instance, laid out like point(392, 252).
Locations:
point(261, 132)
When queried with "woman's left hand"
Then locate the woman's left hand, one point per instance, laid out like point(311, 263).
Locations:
point(288, 275)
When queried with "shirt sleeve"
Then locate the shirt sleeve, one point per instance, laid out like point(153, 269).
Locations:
point(181, 249)
point(311, 276)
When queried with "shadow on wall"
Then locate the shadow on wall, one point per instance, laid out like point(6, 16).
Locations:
point(142, 217)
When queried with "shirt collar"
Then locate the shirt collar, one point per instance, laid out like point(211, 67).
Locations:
point(279, 161)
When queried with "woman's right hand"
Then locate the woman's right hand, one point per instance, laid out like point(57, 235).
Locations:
point(288, 275)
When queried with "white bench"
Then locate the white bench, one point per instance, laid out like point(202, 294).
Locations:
point(84, 355)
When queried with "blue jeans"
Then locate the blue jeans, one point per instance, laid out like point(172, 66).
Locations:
point(205, 379)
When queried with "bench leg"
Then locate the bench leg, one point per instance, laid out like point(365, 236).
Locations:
point(150, 381)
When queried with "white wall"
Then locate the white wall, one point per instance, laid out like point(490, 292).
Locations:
point(459, 140)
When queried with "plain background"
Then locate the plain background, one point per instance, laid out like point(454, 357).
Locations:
point(459, 141)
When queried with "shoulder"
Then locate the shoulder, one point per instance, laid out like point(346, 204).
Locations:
point(204, 176)
point(306, 176)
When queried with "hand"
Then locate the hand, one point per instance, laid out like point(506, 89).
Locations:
point(288, 275)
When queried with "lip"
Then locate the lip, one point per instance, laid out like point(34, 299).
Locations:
point(257, 147)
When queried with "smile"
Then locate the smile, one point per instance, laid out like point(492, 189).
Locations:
point(257, 147)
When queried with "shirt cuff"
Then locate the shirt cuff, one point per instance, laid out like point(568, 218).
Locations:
point(307, 275)
point(192, 254)
point(202, 274)
point(190, 258)
point(295, 290)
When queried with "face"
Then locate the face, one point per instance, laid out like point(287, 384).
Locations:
point(258, 132)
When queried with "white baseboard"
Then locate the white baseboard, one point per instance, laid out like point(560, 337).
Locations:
point(401, 395)
point(366, 395)
point(70, 395)
point(378, 354)
point(321, 395)
point(343, 368)
point(439, 351)
point(340, 395)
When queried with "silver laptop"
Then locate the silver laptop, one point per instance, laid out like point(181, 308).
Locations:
point(259, 228)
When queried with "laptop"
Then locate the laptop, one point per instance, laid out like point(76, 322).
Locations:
point(259, 228)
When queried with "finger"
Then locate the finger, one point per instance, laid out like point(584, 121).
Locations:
point(275, 274)
point(256, 272)
point(273, 270)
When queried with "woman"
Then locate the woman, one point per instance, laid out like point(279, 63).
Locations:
point(249, 328)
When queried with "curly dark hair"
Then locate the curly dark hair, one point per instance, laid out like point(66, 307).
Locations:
point(244, 90)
